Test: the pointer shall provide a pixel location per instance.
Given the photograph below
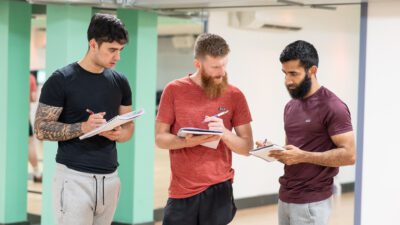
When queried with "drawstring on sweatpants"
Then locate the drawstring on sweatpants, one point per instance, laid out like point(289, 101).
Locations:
point(95, 204)
point(95, 179)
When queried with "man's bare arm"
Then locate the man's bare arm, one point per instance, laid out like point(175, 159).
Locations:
point(242, 141)
point(47, 127)
point(343, 155)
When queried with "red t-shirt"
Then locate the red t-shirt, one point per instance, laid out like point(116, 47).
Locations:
point(309, 125)
point(184, 104)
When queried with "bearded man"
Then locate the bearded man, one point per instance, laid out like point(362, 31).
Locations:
point(200, 191)
point(319, 139)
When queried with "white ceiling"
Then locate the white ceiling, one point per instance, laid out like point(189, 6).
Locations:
point(203, 4)
point(231, 3)
point(198, 9)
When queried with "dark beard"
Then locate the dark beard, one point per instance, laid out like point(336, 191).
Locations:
point(211, 89)
point(302, 89)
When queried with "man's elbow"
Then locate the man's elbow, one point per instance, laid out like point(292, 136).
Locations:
point(38, 133)
point(249, 147)
point(351, 159)
point(246, 150)
point(159, 143)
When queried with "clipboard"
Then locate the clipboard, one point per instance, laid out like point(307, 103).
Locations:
point(198, 131)
point(263, 152)
point(114, 122)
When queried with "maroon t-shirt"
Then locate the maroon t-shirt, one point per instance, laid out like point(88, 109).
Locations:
point(185, 104)
point(309, 125)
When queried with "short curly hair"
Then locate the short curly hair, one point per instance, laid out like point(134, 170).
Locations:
point(107, 28)
point(210, 44)
point(300, 50)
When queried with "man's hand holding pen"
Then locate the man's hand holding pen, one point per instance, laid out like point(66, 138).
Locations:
point(215, 122)
point(95, 120)
point(263, 143)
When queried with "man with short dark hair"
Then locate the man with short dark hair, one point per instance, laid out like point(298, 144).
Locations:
point(86, 184)
point(319, 138)
point(200, 191)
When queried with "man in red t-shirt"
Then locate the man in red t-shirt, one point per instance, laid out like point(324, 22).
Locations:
point(200, 191)
point(319, 138)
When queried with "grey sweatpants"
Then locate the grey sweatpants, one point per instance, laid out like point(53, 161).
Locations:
point(83, 198)
point(314, 213)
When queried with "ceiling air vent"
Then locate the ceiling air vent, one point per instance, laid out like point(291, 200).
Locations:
point(280, 27)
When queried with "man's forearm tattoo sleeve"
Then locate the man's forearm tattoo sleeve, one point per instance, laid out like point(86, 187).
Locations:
point(47, 127)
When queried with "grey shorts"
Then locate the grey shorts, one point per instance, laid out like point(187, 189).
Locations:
point(83, 198)
point(314, 213)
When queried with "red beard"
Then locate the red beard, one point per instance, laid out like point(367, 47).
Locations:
point(211, 88)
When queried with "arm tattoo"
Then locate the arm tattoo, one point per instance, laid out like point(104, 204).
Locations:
point(47, 127)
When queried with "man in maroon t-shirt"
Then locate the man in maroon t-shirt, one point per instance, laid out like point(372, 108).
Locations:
point(319, 138)
point(200, 191)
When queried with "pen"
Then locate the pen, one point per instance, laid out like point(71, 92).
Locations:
point(265, 141)
point(90, 111)
point(218, 114)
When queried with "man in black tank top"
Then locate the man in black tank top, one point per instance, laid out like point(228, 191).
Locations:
point(75, 100)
